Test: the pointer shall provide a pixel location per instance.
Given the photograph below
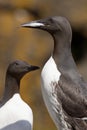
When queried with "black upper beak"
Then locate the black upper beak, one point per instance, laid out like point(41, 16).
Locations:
point(32, 67)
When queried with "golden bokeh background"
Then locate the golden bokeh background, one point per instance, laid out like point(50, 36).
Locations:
point(35, 46)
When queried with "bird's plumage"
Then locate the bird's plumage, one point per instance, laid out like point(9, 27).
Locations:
point(49, 93)
point(74, 100)
point(15, 114)
point(67, 100)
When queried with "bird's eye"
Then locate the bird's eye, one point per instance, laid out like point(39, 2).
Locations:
point(16, 63)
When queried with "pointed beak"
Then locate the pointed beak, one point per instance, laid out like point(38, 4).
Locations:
point(42, 24)
point(32, 67)
point(33, 24)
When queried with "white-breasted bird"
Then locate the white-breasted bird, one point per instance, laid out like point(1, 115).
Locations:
point(64, 89)
point(15, 114)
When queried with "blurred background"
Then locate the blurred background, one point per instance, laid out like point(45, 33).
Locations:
point(35, 46)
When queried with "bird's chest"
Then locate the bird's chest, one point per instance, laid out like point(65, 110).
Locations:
point(50, 77)
point(15, 113)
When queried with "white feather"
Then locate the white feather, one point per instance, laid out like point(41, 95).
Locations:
point(84, 118)
point(49, 77)
point(15, 110)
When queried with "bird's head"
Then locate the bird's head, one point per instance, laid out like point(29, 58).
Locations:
point(18, 69)
point(56, 24)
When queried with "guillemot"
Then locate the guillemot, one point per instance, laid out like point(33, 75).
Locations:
point(15, 114)
point(64, 89)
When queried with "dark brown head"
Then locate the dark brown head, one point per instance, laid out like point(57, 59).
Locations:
point(56, 24)
point(18, 69)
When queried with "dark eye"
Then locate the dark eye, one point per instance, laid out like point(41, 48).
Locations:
point(16, 63)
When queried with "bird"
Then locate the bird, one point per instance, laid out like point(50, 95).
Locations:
point(64, 89)
point(15, 114)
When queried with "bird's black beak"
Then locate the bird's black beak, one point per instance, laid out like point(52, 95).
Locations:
point(43, 24)
point(32, 67)
point(34, 24)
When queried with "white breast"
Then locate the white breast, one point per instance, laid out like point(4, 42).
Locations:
point(49, 77)
point(16, 114)
point(50, 73)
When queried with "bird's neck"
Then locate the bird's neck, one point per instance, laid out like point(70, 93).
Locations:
point(11, 87)
point(62, 54)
